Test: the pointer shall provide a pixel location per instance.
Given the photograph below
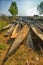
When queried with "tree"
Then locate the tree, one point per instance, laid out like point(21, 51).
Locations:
point(40, 8)
point(13, 9)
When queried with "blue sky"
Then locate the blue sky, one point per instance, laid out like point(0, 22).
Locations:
point(25, 7)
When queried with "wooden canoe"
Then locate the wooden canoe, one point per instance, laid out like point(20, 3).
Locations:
point(6, 27)
point(37, 31)
point(19, 39)
point(10, 30)
point(40, 26)
point(16, 31)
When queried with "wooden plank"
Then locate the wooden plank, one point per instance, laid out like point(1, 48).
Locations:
point(16, 31)
point(37, 31)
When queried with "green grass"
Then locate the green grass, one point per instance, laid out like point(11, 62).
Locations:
point(2, 47)
point(2, 24)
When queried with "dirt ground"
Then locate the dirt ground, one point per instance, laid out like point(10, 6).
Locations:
point(23, 56)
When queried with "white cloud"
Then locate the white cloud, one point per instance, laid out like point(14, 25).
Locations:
point(31, 11)
point(28, 12)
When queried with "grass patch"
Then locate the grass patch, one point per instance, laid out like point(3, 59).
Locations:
point(2, 47)
point(2, 24)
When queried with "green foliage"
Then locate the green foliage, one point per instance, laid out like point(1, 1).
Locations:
point(2, 47)
point(40, 8)
point(13, 9)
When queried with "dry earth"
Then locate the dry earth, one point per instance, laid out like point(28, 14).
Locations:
point(23, 56)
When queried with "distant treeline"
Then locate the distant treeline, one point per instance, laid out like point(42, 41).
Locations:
point(12, 18)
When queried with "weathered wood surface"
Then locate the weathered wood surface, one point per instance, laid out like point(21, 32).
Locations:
point(10, 30)
point(16, 31)
point(39, 25)
point(6, 27)
point(37, 42)
point(22, 23)
point(28, 41)
point(20, 38)
point(37, 31)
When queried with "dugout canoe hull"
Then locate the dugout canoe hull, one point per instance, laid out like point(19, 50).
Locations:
point(6, 27)
point(20, 38)
point(10, 30)
point(16, 31)
point(37, 31)
point(39, 26)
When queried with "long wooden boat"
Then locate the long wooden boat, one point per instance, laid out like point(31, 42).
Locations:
point(17, 42)
point(39, 25)
point(10, 30)
point(6, 27)
point(37, 42)
point(16, 31)
point(37, 31)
